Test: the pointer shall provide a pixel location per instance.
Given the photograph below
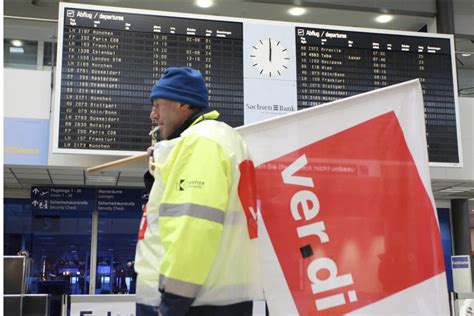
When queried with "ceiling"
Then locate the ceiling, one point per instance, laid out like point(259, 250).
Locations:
point(25, 177)
point(408, 15)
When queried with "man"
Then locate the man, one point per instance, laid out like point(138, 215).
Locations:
point(194, 255)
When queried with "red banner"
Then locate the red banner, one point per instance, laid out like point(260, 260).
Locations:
point(341, 231)
point(348, 220)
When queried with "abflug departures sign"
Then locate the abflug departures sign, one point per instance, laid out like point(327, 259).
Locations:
point(333, 64)
point(108, 59)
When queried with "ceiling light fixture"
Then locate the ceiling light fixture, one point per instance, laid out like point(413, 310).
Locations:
point(384, 18)
point(297, 11)
point(100, 178)
point(16, 50)
point(454, 190)
point(204, 3)
point(466, 54)
point(17, 43)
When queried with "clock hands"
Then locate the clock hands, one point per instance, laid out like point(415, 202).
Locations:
point(269, 50)
point(269, 64)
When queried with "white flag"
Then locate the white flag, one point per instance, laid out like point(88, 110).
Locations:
point(348, 215)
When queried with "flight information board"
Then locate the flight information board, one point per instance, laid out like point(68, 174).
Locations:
point(109, 58)
point(333, 64)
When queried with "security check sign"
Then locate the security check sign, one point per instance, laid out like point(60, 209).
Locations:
point(348, 216)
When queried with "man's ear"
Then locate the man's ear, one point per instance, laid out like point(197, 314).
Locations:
point(186, 107)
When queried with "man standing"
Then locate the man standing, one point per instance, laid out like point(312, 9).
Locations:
point(194, 255)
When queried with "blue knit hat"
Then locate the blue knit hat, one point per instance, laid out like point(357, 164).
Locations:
point(181, 84)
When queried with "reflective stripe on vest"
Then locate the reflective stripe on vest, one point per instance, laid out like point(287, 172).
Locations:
point(193, 210)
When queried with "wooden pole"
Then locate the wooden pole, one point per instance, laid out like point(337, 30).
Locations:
point(118, 162)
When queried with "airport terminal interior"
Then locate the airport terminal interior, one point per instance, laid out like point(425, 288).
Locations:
point(75, 232)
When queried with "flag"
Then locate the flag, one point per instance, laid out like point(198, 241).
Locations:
point(347, 216)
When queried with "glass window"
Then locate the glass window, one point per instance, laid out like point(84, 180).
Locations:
point(445, 230)
point(465, 65)
point(116, 242)
point(49, 54)
point(20, 53)
point(58, 243)
point(466, 81)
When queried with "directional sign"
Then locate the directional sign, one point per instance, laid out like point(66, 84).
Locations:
point(62, 198)
point(122, 200)
point(87, 199)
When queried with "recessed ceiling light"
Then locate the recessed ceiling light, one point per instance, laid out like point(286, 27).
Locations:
point(384, 18)
point(204, 3)
point(100, 178)
point(454, 190)
point(466, 54)
point(297, 11)
point(17, 50)
point(17, 43)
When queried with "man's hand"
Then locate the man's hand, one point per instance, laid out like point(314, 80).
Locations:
point(149, 151)
point(151, 168)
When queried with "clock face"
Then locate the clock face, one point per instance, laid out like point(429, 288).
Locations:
point(269, 57)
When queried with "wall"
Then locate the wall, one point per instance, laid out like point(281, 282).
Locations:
point(466, 80)
point(30, 30)
point(27, 93)
point(463, 12)
point(472, 239)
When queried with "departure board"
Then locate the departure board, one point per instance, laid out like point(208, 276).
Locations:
point(334, 64)
point(109, 58)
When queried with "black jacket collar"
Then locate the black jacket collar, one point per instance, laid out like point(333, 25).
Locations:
point(189, 121)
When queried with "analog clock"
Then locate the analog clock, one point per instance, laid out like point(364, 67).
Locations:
point(269, 57)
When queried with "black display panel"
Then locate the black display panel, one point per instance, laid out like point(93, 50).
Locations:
point(334, 64)
point(110, 61)
point(109, 58)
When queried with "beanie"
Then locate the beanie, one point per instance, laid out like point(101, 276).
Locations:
point(181, 84)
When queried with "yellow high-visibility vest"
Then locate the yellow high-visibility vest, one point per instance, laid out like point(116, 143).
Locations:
point(196, 242)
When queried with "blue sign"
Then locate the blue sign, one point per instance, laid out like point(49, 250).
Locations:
point(87, 199)
point(460, 262)
point(26, 141)
point(62, 198)
point(122, 200)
